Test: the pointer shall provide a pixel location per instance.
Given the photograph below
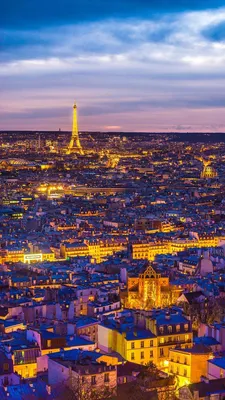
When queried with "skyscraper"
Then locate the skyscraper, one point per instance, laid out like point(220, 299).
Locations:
point(74, 145)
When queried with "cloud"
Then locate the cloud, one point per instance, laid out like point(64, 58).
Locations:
point(117, 69)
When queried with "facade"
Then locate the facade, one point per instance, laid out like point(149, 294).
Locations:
point(216, 368)
point(135, 345)
point(82, 376)
point(150, 289)
point(189, 364)
point(171, 329)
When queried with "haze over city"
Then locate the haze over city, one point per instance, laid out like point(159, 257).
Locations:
point(130, 65)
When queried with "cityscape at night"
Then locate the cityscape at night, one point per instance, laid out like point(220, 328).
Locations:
point(112, 200)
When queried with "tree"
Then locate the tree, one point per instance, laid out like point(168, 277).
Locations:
point(153, 383)
point(79, 392)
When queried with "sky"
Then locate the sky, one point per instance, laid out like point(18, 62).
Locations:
point(130, 65)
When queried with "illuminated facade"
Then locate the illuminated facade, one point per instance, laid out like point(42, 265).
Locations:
point(149, 290)
point(148, 250)
point(134, 345)
point(96, 249)
point(207, 172)
point(74, 145)
point(189, 364)
point(171, 329)
point(149, 339)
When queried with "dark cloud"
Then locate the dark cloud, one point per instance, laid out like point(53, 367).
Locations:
point(31, 14)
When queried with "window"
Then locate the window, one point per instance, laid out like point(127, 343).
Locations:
point(93, 380)
point(142, 344)
point(142, 355)
point(83, 379)
point(185, 360)
point(151, 353)
point(177, 328)
point(49, 343)
point(132, 345)
point(178, 359)
point(106, 377)
point(161, 352)
point(151, 343)
point(5, 367)
point(132, 356)
point(170, 329)
point(186, 327)
point(161, 340)
point(221, 373)
point(185, 372)
point(161, 329)
point(186, 338)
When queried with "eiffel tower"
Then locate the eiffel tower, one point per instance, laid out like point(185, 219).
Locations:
point(74, 145)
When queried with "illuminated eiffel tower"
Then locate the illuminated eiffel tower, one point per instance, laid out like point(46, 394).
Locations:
point(74, 145)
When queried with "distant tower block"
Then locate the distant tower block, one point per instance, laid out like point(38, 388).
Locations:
point(74, 145)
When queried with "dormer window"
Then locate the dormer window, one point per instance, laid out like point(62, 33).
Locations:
point(177, 328)
point(170, 329)
point(186, 327)
point(161, 329)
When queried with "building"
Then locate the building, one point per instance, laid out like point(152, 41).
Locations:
point(189, 364)
point(170, 328)
point(204, 390)
point(132, 343)
point(82, 375)
point(150, 289)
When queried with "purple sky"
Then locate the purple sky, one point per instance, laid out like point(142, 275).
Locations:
point(128, 71)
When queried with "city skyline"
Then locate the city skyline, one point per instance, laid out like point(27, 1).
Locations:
point(129, 67)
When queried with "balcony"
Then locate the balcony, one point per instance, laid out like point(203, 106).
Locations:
point(175, 342)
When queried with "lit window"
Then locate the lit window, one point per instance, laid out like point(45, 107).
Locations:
point(161, 352)
point(178, 328)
